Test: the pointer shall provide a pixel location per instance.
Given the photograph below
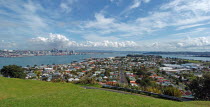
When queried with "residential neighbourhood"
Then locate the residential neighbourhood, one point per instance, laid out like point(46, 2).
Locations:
point(132, 70)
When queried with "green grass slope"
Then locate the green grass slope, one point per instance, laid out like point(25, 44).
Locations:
point(31, 93)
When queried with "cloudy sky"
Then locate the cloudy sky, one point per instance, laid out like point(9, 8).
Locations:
point(140, 25)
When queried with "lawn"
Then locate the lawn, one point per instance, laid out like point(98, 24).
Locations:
point(193, 61)
point(31, 93)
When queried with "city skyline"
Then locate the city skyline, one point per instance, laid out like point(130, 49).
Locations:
point(125, 25)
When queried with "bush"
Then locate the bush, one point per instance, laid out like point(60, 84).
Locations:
point(154, 90)
point(86, 81)
point(58, 80)
point(45, 78)
point(172, 91)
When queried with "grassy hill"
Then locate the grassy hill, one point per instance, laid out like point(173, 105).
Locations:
point(20, 93)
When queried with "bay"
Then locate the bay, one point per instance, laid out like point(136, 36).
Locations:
point(39, 60)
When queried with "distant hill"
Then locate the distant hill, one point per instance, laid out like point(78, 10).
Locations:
point(31, 93)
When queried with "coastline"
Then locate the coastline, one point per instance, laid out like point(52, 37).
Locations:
point(64, 59)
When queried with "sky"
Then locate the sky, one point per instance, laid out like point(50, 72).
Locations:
point(123, 25)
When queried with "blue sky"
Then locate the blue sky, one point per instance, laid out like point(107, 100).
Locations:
point(143, 25)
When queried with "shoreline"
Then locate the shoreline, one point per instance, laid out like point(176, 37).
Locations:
point(49, 59)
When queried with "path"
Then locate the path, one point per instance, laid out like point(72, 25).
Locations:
point(117, 91)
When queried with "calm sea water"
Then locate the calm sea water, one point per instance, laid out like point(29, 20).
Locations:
point(38, 60)
point(187, 57)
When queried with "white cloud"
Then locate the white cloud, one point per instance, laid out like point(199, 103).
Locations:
point(94, 37)
point(155, 21)
point(195, 6)
point(53, 41)
point(103, 25)
point(194, 42)
point(101, 21)
point(65, 7)
point(167, 16)
point(31, 18)
point(146, 1)
point(112, 0)
point(107, 30)
point(62, 42)
point(109, 44)
point(191, 20)
point(6, 45)
point(198, 32)
point(136, 3)
point(26, 15)
point(189, 11)
point(184, 13)
point(186, 44)
point(190, 26)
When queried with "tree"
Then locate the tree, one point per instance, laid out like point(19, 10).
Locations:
point(164, 72)
point(200, 87)
point(128, 79)
point(13, 71)
point(146, 81)
point(38, 73)
point(107, 73)
point(180, 78)
point(140, 72)
point(157, 70)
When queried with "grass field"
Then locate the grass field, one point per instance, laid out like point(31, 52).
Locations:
point(31, 93)
point(193, 61)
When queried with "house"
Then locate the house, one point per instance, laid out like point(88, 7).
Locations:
point(133, 83)
point(70, 79)
point(31, 75)
point(198, 74)
point(165, 68)
point(81, 74)
point(48, 69)
point(105, 77)
point(111, 83)
point(73, 79)
point(174, 66)
point(191, 65)
point(98, 72)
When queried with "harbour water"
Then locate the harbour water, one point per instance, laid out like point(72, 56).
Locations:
point(187, 57)
point(39, 60)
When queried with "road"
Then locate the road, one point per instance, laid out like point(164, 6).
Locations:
point(117, 91)
point(123, 92)
point(122, 79)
